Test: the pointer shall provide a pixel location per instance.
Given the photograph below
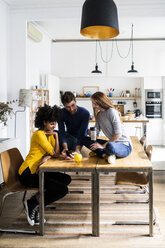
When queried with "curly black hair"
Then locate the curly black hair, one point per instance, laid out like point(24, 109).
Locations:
point(47, 114)
point(67, 97)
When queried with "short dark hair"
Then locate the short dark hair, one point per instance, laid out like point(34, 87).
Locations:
point(67, 97)
point(47, 114)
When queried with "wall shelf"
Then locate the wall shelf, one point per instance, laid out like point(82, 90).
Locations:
point(113, 98)
point(39, 98)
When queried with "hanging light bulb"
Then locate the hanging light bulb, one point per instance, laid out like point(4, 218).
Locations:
point(96, 70)
point(99, 19)
point(132, 66)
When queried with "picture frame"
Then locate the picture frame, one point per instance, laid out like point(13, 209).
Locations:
point(89, 90)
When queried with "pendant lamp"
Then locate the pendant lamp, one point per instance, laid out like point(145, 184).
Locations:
point(99, 19)
point(132, 66)
point(96, 70)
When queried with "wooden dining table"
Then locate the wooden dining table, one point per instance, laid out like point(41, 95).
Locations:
point(137, 161)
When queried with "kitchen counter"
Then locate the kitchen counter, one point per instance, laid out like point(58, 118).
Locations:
point(137, 119)
point(142, 120)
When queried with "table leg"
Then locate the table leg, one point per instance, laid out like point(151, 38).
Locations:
point(150, 203)
point(144, 129)
point(95, 204)
point(41, 205)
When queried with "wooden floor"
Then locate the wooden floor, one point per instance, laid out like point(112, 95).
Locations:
point(32, 241)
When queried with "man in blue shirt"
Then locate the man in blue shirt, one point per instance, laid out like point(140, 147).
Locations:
point(73, 125)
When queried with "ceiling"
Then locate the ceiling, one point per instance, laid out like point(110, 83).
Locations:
point(147, 16)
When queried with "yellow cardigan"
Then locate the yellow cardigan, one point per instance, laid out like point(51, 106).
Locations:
point(40, 146)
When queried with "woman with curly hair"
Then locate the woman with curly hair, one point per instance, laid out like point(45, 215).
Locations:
point(108, 120)
point(44, 145)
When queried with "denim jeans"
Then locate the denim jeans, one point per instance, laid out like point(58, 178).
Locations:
point(116, 148)
point(71, 141)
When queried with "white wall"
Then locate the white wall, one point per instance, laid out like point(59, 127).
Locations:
point(104, 83)
point(28, 61)
point(3, 50)
point(77, 59)
point(38, 64)
point(17, 74)
point(81, 62)
point(18, 69)
point(4, 14)
point(38, 60)
point(118, 83)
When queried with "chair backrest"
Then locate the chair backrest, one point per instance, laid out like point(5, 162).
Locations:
point(143, 141)
point(149, 151)
point(134, 178)
point(11, 161)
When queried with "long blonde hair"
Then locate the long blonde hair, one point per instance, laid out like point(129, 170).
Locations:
point(102, 101)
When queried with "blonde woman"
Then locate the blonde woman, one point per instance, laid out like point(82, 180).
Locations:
point(108, 120)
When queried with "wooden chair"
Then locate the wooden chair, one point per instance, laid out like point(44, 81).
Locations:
point(143, 141)
point(149, 152)
point(11, 161)
point(134, 179)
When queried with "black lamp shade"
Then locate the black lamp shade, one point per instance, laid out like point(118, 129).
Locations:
point(132, 69)
point(99, 19)
point(96, 69)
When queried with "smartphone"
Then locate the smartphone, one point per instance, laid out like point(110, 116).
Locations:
point(68, 153)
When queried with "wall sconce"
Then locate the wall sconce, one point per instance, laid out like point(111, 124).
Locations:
point(99, 19)
point(25, 99)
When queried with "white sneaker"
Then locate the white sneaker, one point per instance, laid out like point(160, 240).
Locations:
point(111, 159)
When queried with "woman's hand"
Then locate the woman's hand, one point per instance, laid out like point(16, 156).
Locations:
point(96, 145)
point(49, 133)
point(89, 132)
point(43, 160)
point(66, 154)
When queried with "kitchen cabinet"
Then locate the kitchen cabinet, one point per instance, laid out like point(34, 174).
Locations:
point(39, 98)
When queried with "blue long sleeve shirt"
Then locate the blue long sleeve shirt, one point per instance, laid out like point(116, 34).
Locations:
point(76, 125)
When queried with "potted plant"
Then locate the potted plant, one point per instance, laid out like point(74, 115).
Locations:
point(61, 92)
point(135, 104)
point(127, 93)
point(5, 112)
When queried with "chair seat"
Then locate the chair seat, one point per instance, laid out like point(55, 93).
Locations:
point(131, 178)
point(19, 187)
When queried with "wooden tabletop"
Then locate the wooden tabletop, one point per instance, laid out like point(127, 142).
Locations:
point(136, 160)
point(87, 164)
